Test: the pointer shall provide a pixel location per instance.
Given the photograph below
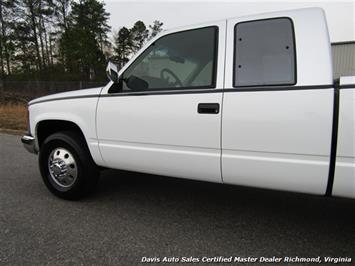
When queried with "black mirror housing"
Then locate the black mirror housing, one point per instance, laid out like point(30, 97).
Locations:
point(136, 84)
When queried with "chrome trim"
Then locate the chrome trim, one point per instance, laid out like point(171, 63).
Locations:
point(29, 143)
point(62, 167)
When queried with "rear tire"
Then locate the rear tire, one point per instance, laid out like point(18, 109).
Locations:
point(66, 165)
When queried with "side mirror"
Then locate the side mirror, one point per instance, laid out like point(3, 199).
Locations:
point(136, 84)
point(112, 72)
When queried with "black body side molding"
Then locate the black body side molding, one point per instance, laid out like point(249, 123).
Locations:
point(333, 149)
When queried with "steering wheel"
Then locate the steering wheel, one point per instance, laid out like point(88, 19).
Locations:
point(171, 73)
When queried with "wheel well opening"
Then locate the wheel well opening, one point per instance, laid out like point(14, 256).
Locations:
point(49, 127)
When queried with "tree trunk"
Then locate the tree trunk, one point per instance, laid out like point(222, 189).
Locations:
point(46, 42)
point(50, 51)
point(1, 62)
point(2, 74)
point(1, 45)
point(34, 29)
point(40, 33)
point(4, 49)
point(64, 11)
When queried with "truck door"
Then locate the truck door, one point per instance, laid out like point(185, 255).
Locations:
point(164, 118)
point(278, 102)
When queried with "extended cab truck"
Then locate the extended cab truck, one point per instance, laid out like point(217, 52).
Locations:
point(246, 101)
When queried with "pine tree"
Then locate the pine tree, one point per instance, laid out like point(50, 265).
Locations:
point(83, 41)
point(25, 48)
point(123, 46)
point(67, 37)
point(139, 33)
point(7, 48)
point(155, 28)
point(61, 13)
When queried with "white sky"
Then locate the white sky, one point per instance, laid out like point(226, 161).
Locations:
point(340, 14)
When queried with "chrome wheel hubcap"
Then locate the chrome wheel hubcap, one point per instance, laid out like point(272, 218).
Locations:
point(62, 167)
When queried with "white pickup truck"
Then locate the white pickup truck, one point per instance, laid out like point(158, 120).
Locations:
point(247, 101)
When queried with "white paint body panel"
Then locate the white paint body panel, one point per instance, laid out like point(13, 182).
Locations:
point(344, 179)
point(76, 93)
point(277, 139)
point(164, 134)
point(282, 139)
point(161, 134)
point(81, 111)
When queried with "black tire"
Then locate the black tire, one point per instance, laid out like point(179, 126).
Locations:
point(86, 171)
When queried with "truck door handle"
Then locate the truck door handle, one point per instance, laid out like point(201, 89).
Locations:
point(208, 108)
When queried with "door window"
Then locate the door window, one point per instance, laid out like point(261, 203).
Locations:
point(182, 60)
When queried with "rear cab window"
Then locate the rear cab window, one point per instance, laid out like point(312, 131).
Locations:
point(264, 53)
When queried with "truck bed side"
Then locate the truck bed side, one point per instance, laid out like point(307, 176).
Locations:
point(344, 176)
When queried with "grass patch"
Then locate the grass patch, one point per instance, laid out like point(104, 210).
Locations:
point(13, 116)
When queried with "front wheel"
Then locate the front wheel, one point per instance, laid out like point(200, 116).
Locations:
point(66, 165)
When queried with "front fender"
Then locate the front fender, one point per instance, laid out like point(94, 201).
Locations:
point(79, 111)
